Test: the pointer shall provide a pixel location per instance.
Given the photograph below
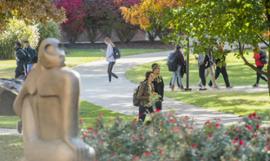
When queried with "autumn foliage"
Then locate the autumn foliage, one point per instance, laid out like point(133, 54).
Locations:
point(75, 13)
point(30, 11)
point(147, 12)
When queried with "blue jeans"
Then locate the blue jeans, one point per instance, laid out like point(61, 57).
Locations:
point(176, 76)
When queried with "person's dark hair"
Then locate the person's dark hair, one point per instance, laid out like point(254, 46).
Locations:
point(147, 74)
point(154, 66)
point(18, 44)
point(177, 48)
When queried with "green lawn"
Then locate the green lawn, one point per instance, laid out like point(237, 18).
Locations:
point(88, 112)
point(74, 57)
point(239, 74)
point(231, 102)
point(10, 148)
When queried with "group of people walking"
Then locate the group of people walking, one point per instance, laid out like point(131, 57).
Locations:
point(151, 91)
point(26, 56)
point(213, 62)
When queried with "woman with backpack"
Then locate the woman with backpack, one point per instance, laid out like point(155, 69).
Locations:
point(110, 57)
point(145, 95)
point(175, 62)
point(258, 56)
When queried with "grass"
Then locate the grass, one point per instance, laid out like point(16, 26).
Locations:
point(74, 57)
point(10, 148)
point(229, 102)
point(239, 103)
point(88, 112)
point(239, 74)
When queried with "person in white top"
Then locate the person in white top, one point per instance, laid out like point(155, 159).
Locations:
point(110, 58)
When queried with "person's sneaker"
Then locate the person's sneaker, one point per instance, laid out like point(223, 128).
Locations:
point(229, 87)
point(172, 87)
point(203, 88)
point(255, 85)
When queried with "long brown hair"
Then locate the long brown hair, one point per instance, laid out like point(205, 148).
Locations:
point(109, 41)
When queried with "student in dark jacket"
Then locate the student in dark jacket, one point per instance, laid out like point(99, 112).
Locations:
point(20, 71)
point(32, 55)
point(146, 91)
point(204, 63)
point(158, 85)
point(179, 63)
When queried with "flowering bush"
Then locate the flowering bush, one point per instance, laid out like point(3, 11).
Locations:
point(170, 138)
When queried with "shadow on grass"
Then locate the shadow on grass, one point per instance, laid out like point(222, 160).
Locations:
point(229, 102)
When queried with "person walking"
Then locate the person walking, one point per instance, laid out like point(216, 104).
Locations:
point(32, 55)
point(260, 60)
point(110, 58)
point(203, 63)
point(175, 62)
point(21, 58)
point(158, 86)
point(220, 60)
point(145, 94)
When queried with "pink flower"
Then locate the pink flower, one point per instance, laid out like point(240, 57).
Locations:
point(172, 120)
point(241, 142)
point(249, 127)
point(147, 153)
point(194, 146)
point(135, 158)
point(175, 129)
point(217, 125)
point(84, 134)
point(252, 115)
point(235, 140)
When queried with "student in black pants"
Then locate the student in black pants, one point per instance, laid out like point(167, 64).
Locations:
point(220, 60)
point(110, 58)
point(202, 67)
point(158, 85)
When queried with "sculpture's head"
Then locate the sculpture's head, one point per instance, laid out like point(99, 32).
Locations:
point(50, 53)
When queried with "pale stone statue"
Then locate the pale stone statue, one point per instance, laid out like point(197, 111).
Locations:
point(48, 105)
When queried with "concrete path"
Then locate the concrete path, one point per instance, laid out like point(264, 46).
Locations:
point(117, 95)
point(4, 131)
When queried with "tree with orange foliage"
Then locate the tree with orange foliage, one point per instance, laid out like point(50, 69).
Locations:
point(147, 15)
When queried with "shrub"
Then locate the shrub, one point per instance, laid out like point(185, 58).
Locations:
point(51, 29)
point(169, 138)
point(17, 30)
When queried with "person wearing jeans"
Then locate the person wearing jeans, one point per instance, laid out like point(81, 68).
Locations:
point(110, 58)
point(176, 75)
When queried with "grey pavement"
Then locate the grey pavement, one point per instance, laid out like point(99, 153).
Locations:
point(117, 95)
point(4, 131)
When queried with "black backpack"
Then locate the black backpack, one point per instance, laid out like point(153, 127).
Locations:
point(116, 53)
point(172, 62)
point(263, 57)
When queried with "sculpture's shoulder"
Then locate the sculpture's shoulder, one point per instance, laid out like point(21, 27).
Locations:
point(69, 74)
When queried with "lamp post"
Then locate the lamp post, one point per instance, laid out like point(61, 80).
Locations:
point(187, 66)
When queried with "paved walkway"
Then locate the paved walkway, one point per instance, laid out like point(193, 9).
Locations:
point(117, 95)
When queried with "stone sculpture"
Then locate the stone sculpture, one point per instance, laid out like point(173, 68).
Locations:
point(48, 105)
